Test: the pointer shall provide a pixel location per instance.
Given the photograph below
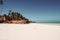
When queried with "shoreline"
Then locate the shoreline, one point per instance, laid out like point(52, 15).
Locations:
point(41, 24)
point(32, 31)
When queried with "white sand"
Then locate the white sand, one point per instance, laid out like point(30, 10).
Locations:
point(33, 31)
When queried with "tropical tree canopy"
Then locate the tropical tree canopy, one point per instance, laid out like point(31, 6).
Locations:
point(16, 16)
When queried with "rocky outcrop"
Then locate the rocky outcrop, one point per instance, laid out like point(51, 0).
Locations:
point(14, 17)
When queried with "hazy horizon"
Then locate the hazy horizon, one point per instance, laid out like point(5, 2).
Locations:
point(35, 10)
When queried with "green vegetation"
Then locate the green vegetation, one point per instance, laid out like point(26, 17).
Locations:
point(13, 16)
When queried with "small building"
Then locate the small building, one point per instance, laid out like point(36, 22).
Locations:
point(2, 19)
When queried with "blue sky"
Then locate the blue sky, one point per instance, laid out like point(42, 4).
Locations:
point(35, 10)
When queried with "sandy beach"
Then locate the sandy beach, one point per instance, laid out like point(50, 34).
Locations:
point(32, 31)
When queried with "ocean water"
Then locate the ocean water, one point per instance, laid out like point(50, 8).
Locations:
point(50, 22)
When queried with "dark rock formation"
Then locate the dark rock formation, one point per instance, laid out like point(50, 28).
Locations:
point(13, 17)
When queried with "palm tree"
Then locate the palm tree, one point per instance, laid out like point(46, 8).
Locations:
point(1, 2)
point(1, 7)
point(17, 16)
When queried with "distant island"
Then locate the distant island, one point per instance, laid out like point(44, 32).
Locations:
point(14, 17)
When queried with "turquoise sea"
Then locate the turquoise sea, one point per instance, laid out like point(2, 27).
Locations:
point(50, 22)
